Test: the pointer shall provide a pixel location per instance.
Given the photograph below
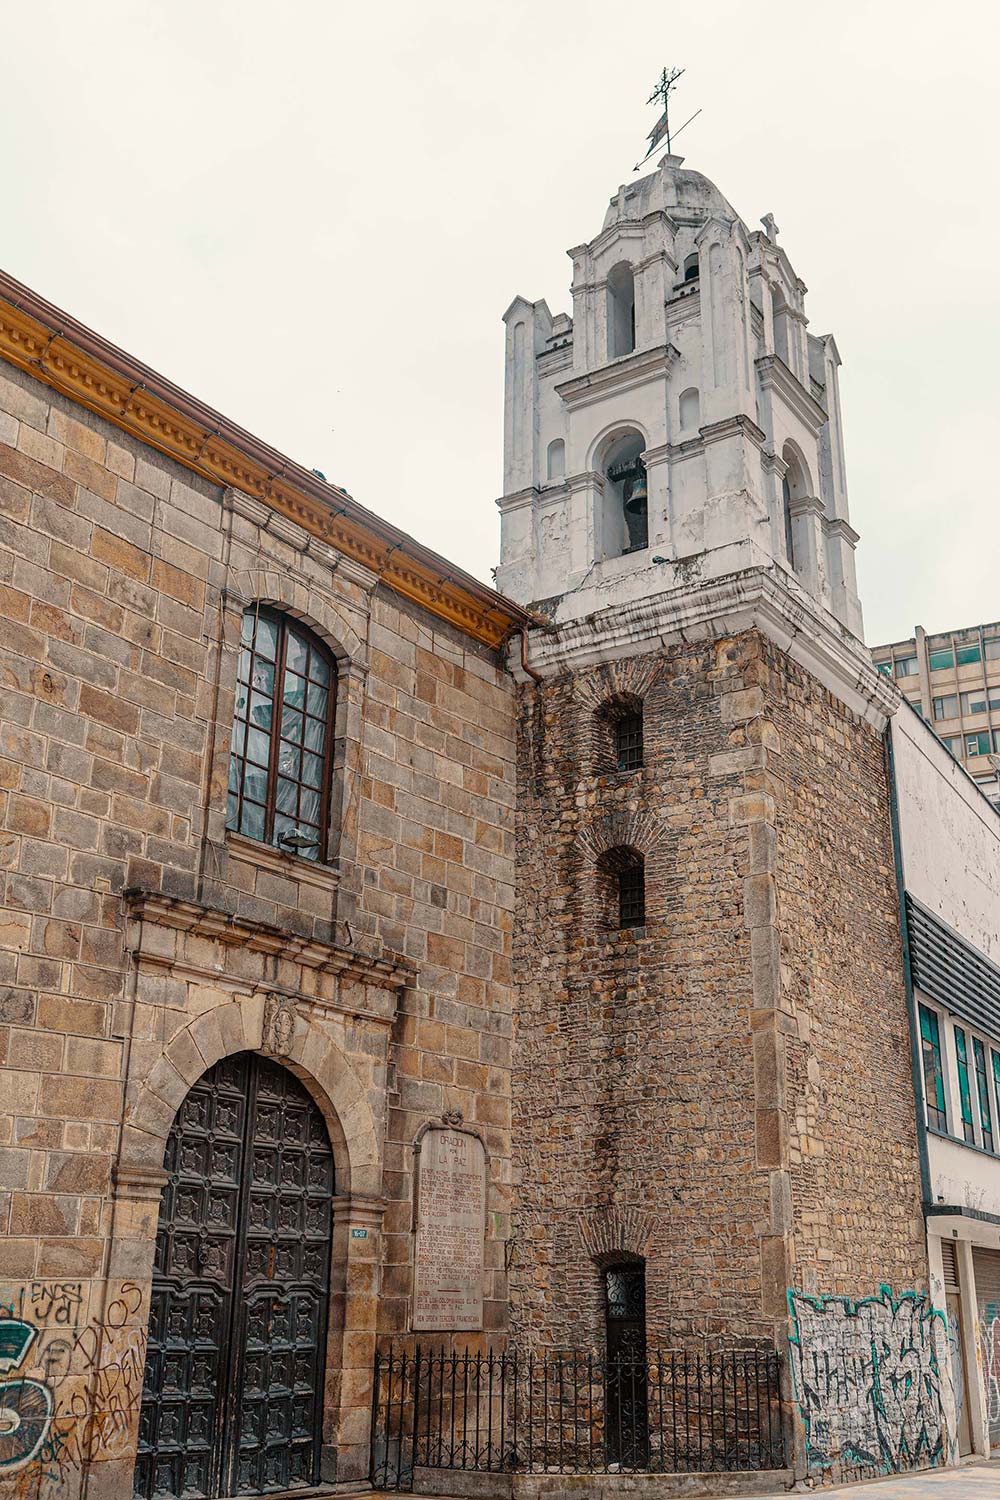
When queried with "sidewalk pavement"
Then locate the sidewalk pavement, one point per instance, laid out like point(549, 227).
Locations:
point(975, 1481)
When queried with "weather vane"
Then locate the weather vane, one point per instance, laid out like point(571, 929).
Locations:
point(661, 130)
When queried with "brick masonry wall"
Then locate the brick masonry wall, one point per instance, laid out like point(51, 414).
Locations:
point(122, 583)
point(701, 1092)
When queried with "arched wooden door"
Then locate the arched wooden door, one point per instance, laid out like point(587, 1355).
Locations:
point(233, 1392)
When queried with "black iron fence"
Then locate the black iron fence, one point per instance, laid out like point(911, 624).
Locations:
point(570, 1412)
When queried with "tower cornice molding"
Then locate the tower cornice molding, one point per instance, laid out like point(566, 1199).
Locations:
point(621, 374)
point(758, 598)
point(774, 374)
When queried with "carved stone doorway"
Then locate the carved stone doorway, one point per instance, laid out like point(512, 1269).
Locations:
point(233, 1393)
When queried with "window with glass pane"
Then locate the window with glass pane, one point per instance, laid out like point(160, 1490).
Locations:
point(991, 647)
point(930, 1048)
point(964, 1091)
point(941, 659)
point(946, 707)
point(885, 667)
point(983, 1092)
point(995, 1059)
point(966, 655)
point(282, 732)
point(906, 666)
point(628, 742)
point(974, 703)
point(978, 744)
point(954, 743)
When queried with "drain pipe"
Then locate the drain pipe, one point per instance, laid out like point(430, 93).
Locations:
point(916, 1067)
point(535, 676)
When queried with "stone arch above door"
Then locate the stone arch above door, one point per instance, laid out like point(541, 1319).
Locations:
point(237, 1024)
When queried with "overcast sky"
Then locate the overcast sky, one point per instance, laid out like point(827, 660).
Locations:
point(312, 216)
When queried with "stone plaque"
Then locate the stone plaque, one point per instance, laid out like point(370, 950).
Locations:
point(451, 1231)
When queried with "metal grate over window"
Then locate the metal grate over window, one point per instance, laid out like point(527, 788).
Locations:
point(628, 742)
point(632, 893)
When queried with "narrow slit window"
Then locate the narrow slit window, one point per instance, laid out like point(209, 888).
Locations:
point(983, 1092)
point(964, 1090)
point(930, 1047)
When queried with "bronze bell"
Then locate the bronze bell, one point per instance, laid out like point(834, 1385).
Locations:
point(638, 495)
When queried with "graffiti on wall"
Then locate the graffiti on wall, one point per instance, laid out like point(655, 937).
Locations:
point(70, 1385)
point(872, 1381)
point(989, 1344)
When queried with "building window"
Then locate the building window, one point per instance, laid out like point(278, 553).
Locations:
point(953, 742)
point(995, 1059)
point(691, 267)
point(624, 873)
point(991, 647)
point(621, 311)
point(930, 1048)
point(906, 666)
point(978, 744)
point(973, 703)
point(941, 659)
point(983, 1092)
point(964, 1091)
point(966, 656)
point(279, 770)
point(946, 707)
point(885, 667)
point(628, 741)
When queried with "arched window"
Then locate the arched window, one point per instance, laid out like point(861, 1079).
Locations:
point(621, 311)
point(624, 871)
point(618, 742)
point(689, 409)
point(627, 1426)
point(279, 768)
point(623, 520)
point(691, 267)
point(795, 485)
point(555, 459)
point(786, 502)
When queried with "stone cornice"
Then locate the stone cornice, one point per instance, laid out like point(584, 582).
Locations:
point(621, 374)
point(387, 971)
point(774, 373)
point(55, 349)
point(756, 598)
point(836, 526)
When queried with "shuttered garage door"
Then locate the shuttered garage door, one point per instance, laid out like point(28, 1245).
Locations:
point(986, 1265)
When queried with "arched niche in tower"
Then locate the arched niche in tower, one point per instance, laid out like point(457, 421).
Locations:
point(795, 485)
point(782, 333)
point(621, 310)
point(622, 521)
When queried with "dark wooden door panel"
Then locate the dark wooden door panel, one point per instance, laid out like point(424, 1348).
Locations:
point(232, 1400)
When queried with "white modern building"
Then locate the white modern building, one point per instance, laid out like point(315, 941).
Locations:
point(948, 842)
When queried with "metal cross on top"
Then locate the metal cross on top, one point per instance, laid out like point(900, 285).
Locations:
point(661, 130)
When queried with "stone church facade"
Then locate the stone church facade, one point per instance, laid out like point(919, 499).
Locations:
point(312, 846)
point(147, 943)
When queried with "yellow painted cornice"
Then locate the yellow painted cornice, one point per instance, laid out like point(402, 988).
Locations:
point(53, 348)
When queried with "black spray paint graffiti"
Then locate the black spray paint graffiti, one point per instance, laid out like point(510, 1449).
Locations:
point(872, 1381)
point(77, 1392)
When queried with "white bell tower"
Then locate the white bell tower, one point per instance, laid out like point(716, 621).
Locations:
point(683, 428)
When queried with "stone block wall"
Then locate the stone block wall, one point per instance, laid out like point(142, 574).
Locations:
point(726, 1091)
point(141, 942)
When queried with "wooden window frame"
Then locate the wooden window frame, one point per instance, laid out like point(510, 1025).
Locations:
point(284, 623)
